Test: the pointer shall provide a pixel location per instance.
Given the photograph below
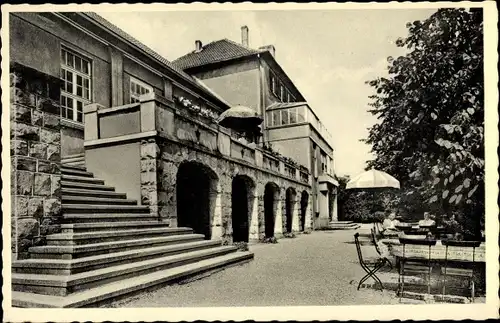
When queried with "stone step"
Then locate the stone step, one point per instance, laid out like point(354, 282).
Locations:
point(93, 208)
point(96, 200)
point(107, 217)
point(127, 286)
point(69, 167)
point(79, 185)
point(92, 193)
point(73, 158)
point(79, 164)
point(80, 251)
point(64, 285)
point(341, 222)
point(75, 266)
point(76, 172)
point(106, 226)
point(345, 226)
point(81, 179)
point(67, 239)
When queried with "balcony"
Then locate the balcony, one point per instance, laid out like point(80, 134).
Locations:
point(156, 116)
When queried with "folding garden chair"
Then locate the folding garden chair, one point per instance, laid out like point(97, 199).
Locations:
point(370, 267)
point(412, 266)
point(462, 270)
point(375, 243)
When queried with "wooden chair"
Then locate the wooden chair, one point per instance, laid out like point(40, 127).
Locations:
point(370, 267)
point(375, 243)
point(412, 266)
point(461, 270)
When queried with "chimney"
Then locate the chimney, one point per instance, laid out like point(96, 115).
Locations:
point(269, 48)
point(244, 36)
point(198, 45)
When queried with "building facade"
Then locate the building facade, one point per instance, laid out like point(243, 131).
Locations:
point(98, 84)
point(252, 77)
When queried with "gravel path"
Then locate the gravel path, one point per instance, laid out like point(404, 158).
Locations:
point(316, 269)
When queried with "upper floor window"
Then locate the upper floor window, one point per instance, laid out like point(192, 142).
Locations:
point(273, 83)
point(282, 93)
point(288, 116)
point(138, 88)
point(76, 82)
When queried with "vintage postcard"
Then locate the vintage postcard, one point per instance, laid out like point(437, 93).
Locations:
point(248, 161)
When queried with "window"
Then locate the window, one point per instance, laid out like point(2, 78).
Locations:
point(301, 115)
point(75, 84)
point(276, 118)
point(284, 117)
point(293, 115)
point(289, 97)
point(272, 82)
point(138, 88)
point(282, 93)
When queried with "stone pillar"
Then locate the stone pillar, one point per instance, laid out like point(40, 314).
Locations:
point(308, 223)
point(35, 147)
point(224, 185)
point(278, 221)
point(254, 220)
point(333, 201)
point(217, 219)
point(167, 193)
point(296, 214)
point(150, 153)
point(91, 121)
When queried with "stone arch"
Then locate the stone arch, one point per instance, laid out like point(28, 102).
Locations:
point(196, 192)
point(271, 196)
point(304, 202)
point(290, 196)
point(242, 205)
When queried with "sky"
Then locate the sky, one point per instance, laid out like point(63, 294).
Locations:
point(328, 54)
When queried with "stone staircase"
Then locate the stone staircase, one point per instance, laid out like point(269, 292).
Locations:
point(109, 247)
point(343, 225)
point(75, 160)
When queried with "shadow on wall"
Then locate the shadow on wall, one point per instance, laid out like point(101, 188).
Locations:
point(196, 194)
point(242, 198)
point(271, 195)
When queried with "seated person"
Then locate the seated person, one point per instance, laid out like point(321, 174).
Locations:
point(427, 221)
point(390, 222)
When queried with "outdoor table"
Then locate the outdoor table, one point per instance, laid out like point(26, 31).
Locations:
point(438, 252)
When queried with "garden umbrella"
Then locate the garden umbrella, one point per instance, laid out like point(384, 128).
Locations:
point(240, 117)
point(373, 179)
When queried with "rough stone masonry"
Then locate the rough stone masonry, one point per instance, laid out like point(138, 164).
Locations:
point(35, 142)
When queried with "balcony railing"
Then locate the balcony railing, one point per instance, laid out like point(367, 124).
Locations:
point(158, 116)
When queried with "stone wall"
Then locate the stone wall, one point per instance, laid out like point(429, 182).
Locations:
point(35, 146)
point(171, 155)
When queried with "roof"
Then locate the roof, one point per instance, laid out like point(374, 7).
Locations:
point(113, 28)
point(214, 52)
point(283, 105)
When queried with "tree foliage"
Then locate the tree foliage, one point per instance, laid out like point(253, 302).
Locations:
point(430, 109)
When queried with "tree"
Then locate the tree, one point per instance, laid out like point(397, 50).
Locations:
point(431, 112)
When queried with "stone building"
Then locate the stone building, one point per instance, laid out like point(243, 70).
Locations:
point(254, 78)
point(122, 171)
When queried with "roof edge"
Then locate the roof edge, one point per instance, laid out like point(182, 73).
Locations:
point(186, 77)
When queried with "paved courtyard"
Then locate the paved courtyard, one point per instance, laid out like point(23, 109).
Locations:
point(320, 268)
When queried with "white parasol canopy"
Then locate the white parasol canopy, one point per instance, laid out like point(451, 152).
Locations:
point(373, 179)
